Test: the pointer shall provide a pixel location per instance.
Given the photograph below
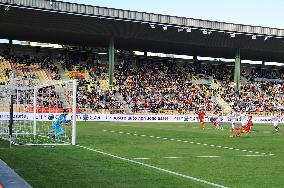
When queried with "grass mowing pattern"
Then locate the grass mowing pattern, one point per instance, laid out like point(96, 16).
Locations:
point(69, 166)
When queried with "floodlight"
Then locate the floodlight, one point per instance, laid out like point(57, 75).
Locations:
point(7, 8)
point(232, 35)
point(204, 32)
point(180, 29)
point(267, 37)
point(152, 26)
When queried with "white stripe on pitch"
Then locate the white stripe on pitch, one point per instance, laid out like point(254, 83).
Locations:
point(254, 155)
point(209, 156)
point(154, 167)
point(173, 157)
point(198, 143)
point(50, 144)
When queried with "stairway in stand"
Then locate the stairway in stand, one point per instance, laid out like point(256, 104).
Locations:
point(63, 74)
point(104, 85)
point(126, 108)
point(226, 108)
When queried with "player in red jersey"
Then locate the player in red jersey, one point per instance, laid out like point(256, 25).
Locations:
point(244, 129)
point(201, 118)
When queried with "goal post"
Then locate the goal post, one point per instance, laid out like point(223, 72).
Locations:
point(35, 97)
point(74, 126)
point(25, 107)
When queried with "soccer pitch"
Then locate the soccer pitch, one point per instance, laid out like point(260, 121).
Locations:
point(111, 154)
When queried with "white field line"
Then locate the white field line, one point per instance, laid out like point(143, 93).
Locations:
point(253, 155)
point(51, 144)
point(62, 141)
point(173, 157)
point(58, 143)
point(209, 156)
point(142, 158)
point(154, 167)
point(198, 143)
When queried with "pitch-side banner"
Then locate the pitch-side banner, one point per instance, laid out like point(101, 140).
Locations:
point(127, 118)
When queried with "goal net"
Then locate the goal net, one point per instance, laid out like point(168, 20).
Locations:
point(25, 108)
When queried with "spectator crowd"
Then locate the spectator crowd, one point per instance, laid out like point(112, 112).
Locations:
point(145, 85)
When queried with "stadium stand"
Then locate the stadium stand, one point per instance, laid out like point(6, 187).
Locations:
point(5, 69)
point(257, 95)
point(160, 87)
point(146, 85)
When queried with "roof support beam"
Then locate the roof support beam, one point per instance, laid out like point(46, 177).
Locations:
point(237, 72)
point(111, 61)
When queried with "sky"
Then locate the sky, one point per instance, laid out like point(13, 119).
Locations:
point(251, 12)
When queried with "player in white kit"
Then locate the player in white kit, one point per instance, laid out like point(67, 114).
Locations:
point(275, 121)
point(219, 121)
point(244, 119)
point(233, 118)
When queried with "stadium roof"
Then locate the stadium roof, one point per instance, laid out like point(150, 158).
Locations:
point(85, 25)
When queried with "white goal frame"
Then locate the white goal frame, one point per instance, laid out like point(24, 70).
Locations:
point(8, 135)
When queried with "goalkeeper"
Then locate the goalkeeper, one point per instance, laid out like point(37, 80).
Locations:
point(57, 124)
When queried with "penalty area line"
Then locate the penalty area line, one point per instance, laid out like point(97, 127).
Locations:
point(260, 155)
point(154, 167)
point(198, 143)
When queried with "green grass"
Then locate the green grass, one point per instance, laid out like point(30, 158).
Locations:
point(71, 166)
